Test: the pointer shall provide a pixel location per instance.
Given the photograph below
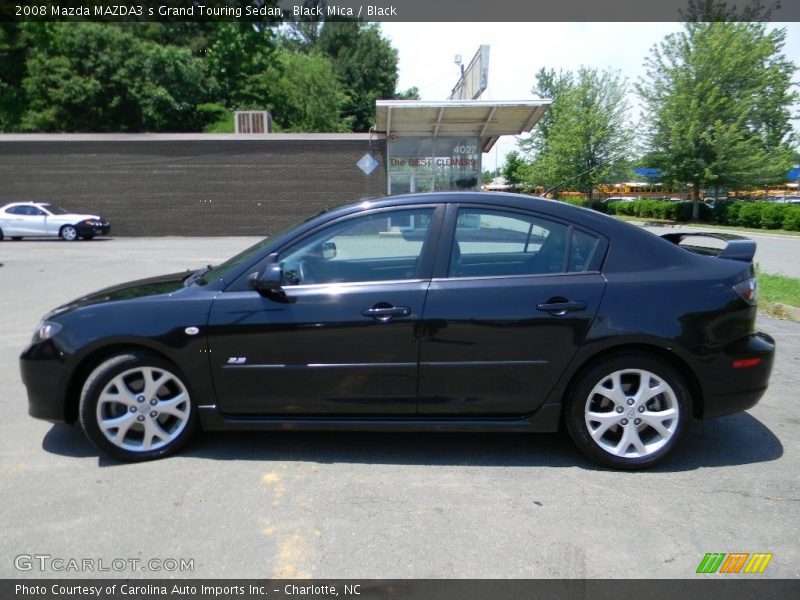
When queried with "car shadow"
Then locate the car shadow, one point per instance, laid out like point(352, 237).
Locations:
point(726, 441)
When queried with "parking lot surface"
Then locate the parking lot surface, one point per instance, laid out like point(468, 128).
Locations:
point(373, 505)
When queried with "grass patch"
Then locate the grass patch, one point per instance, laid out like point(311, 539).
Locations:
point(774, 290)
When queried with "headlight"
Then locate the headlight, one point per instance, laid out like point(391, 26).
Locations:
point(92, 222)
point(45, 330)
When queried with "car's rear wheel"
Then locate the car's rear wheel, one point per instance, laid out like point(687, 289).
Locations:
point(68, 233)
point(137, 407)
point(16, 238)
point(628, 411)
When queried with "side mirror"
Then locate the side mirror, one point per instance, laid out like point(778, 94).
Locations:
point(268, 281)
point(328, 250)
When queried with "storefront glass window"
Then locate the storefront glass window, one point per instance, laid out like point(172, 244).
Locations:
point(440, 164)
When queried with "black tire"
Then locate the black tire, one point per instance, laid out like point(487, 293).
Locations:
point(138, 419)
point(16, 238)
point(1, 235)
point(68, 233)
point(630, 431)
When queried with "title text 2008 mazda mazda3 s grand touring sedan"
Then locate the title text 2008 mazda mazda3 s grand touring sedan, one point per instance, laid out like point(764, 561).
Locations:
point(444, 311)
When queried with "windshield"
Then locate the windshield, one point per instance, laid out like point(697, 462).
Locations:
point(54, 210)
point(245, 256)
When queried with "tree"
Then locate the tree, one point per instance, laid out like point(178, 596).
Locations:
point(13, 51)
point(585, 135)
point(366, 64)
point(237, 61)
point(515, 170)
point(94, 77)
point(305, 95)
point(719, 96)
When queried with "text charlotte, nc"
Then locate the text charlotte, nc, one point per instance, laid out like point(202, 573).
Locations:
point(199, 10)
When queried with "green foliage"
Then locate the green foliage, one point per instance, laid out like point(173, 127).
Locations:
point(12, 71)
point(93, 77)
point(366, 64)
point(764, 215)
point(191, 76)
point(772, 215)
point(585, 135)
point(719, 97)
point(791, 219)
point(778, 288)
point(515, 170)
point(750, 215)
point(237, 62)
point(218, 118)
point(655, 209)
point(305, 94)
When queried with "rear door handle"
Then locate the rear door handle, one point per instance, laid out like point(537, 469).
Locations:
point(562, 307)
point(382, 313)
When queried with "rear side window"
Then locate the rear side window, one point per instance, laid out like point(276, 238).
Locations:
point(497, 243)
point(582, 251)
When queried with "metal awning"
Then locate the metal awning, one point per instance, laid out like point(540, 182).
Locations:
point(455, 118)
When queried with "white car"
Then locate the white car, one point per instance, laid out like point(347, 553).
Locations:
point(39, 219)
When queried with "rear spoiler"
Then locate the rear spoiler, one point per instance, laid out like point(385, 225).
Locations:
point(737, 247)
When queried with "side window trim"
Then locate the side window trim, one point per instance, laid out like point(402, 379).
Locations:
point(447, 237)
point(427, 257)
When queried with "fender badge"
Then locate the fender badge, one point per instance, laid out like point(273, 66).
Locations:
point(191, 331)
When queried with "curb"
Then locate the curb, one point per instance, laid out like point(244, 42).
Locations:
point(791, 312)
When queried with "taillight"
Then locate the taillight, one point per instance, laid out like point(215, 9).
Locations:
point(743, 363)
point(747, 290)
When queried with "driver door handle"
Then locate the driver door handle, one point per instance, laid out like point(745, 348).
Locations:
point(386, 313)
point(562, 307)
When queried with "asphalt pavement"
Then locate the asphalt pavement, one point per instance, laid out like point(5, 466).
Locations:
point(372, 505)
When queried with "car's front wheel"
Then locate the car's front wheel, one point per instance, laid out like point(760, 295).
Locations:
point(68, 233)
point(628, 411)
point(137, 407)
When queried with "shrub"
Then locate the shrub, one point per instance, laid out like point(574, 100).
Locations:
point(749, 215)
point(577, 202)
point(772, 215)
point(791, 218)
point(726, 213)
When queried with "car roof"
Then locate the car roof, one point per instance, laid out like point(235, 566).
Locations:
point(28, 203)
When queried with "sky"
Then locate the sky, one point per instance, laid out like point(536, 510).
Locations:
point(518, 50)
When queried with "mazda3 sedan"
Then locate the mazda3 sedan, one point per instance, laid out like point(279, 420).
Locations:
point(444, 311)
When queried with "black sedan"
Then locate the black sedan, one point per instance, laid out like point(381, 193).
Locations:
point(445, 311)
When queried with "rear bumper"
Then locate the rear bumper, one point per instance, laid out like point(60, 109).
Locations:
point(43, 373)
point(728, 389)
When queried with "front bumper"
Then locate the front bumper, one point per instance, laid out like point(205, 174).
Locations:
point(728, 389)
point(83, 229)
point(44, 374)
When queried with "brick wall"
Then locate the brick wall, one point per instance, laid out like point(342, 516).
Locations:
point(190, 186)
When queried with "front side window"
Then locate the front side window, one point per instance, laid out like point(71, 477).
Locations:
point(380, 247)
point(491, 243)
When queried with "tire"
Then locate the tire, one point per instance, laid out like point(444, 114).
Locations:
point(16, 238)
point(1, 235)
point(618, 423)
point(68, 233)
point(137, 407)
